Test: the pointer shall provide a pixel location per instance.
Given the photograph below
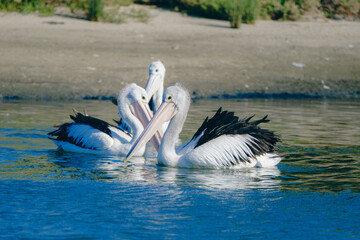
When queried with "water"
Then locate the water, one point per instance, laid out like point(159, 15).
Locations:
point(312, 194)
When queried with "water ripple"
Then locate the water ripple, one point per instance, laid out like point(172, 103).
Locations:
point(48, 194)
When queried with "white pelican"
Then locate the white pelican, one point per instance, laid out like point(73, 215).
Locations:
point(91, 135)
point(222, 141)
point(154, 88)
point(155, 84)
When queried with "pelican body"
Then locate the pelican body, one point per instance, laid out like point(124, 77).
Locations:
point(223, 141)
point(91, 135)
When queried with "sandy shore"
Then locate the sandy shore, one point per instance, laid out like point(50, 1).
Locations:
point(67, 58)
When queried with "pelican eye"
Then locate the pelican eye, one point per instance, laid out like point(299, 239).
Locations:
point(143, 97)
point(156, 70)
point(169, 98)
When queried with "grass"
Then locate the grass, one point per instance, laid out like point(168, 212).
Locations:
point(251, 11)
point(28, 6)
point(95, 10)
point(116, 15)
point(109, 10)
point(140, 15)
point(113, 15)
point(341, 8)
point(235, 11)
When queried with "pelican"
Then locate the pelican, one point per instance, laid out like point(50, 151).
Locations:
point(223, 141)
point(91, 135)
point(154, 88)
point(155, 84)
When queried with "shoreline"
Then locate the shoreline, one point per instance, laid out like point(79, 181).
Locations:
point(60, 58)
point(225, 96)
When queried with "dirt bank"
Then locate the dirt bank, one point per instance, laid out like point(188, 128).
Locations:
point(67, 58)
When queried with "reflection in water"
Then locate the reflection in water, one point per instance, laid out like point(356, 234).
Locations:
point(46, 194)
point(319, 142)
point(144, 171)
point(252, 178)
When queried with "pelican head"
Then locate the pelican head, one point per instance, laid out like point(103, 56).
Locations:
point(134, 109)
point(132, 93)
point(177, 95)
point(132, 105)
point(155, 84)
point(176, 102)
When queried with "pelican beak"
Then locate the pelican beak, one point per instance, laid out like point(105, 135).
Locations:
point(152, 84)
point(166, 111)
point(142, 112)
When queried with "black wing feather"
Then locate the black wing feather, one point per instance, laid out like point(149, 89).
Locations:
point(61, 134)
point(225, 123)
point(93, 122)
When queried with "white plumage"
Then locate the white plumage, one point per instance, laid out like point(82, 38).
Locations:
point(91, 135)
point(155, 84)
point(154, 88)
point(223, 141)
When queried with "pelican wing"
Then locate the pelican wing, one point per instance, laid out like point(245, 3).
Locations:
point(95, 123)
point(225, 123)
point(224, 151)
point(89, 132)
point(83, 136)
point(224, 140)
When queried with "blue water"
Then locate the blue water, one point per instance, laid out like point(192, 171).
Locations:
point(312, 194)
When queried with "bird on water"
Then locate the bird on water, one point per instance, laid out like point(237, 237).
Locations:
point(223, 141)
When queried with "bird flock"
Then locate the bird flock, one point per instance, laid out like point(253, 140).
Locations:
point(152, 114)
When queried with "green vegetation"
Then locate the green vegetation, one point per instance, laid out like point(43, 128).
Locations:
point(140, 14)
point(236, 11)
point(340, 8)
point(250, 10)
point(40, 7)
point(94, 10)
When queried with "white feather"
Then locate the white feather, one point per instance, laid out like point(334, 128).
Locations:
point(84, 138)
point(220, 152)
point(120, 135)
point(224, 151)
point(268, 160)
point(90, 137)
